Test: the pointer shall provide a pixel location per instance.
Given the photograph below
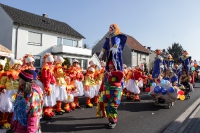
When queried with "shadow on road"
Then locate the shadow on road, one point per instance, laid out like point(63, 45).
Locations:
point(71, 127)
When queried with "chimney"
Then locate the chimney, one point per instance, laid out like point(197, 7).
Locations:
point(149, 48)
point(45, 15)
point(144, 46)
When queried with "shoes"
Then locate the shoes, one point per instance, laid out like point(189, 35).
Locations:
point(112, 125)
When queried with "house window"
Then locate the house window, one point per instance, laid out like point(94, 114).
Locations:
point(37, 60)
point(85, 64)
point(140, 56)
point(67, 42)
point(59, 40)
point(34, 38)
point(133, 53)
point(143, 57)
point(75, 43)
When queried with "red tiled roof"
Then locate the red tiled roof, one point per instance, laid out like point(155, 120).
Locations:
point(134, 44)
point(4, 49)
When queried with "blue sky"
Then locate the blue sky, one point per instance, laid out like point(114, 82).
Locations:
point(154, 23)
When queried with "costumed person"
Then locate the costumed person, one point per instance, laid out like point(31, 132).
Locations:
point(75, 72)
point(112, 92)
point(28, 62)
point(135, 82)
point(125, 81)
point(185, 60)
point(70, 88)
point(178, 71)
point(90, 86)
point(97, 80)
point(185, 78)
point(113, 47)
point(61, 94)
point(48, 80)
point(8, 88)
point(128, 77)
point(168, 62)
point(27, 105)
point(100, 106)
point(172, 77)
point(158, 64)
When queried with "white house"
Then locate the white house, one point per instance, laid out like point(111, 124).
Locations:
point(27, 33)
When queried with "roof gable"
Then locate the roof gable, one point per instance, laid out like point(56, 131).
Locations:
point(134, 44)
point(40, 22)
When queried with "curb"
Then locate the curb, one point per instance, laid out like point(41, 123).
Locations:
point(179, 125)
point(3, 130)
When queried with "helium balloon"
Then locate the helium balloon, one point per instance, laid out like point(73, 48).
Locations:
point(171, 89)
point(182, 97)
point(167, 82)
point(157, 89)
point(192, 68)
point(164, 91)
point(181, 92)
point(153, 84)
point(147, 89)
point(162, 81)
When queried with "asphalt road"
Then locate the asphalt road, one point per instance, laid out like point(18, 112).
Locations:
point(134, 117)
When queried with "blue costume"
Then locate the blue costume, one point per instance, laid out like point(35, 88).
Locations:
point(156, 68)
point(168, 63)
point(178, 72)
point(185, 60)
point(173, 79)
point(117, 41)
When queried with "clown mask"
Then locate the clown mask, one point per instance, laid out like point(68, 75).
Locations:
point(112, 29)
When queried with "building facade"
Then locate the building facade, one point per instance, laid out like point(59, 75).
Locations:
point(27, 33)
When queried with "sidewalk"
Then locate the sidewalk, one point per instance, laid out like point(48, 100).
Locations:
point(194, 123)
point(188, 122)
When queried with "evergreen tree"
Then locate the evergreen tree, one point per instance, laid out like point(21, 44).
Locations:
point(175, 51)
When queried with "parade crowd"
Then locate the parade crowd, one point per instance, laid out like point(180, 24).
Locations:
point(26, 96)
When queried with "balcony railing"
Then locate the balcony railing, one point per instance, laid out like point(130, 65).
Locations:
point(71, 50)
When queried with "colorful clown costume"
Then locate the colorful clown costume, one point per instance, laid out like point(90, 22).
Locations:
point(112, 94)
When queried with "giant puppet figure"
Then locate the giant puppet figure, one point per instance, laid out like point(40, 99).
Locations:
point(158, 63)
point(28, 62)
point(48, 80)
point(185, 60)
point(112, 82)
point(8, 90)
point(113, 47)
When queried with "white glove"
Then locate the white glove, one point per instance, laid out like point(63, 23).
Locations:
point(114, 50)
point(101, 55)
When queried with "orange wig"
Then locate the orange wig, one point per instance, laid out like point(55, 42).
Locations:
point(117, 30)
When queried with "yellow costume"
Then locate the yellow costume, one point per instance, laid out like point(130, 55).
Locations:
point(90, 86)
point(61, 94)
point(9, 86)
